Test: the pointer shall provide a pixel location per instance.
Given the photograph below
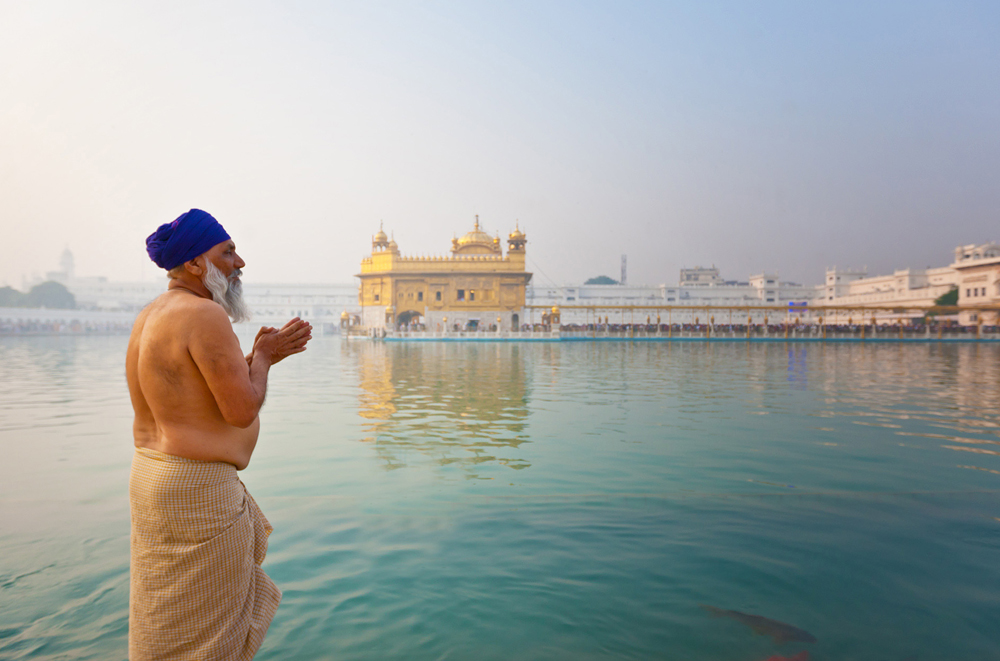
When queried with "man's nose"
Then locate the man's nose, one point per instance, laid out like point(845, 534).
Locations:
point(239, 262)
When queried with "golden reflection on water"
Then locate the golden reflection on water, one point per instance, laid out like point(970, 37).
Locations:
point(460, 405)
point(467, 404)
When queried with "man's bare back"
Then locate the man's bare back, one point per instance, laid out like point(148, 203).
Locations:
point(175, 410)
point(194, 394)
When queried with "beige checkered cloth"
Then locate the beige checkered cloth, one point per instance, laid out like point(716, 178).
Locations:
point(198, 539)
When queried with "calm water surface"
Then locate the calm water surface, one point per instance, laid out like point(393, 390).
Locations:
point(546, 501)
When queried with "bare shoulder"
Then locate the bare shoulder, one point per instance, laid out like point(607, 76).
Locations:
point(178, 312)
point(205, 325)
point(205, 317)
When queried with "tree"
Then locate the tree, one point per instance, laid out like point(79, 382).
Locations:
point(601, 280)
point(948, 298)
point(50, 295)
point(11, 298)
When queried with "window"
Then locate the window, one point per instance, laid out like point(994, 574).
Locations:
point(420, 295)
point(437, 296)
point(472, 294)
point(968, 292)
point(461, 294)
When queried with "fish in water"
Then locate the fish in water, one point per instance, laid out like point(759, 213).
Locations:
point(801, 656)
point(779, 631)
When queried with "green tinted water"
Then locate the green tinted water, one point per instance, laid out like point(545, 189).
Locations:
point(546, 501)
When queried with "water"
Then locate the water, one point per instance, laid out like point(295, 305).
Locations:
point(546, 501)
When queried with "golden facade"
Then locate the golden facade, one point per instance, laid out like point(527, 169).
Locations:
point(476, 286)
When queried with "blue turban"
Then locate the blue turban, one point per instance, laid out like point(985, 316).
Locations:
point(192, 234)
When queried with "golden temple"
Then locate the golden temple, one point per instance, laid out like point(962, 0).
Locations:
point(476, 286)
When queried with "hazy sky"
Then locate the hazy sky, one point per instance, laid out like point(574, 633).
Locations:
point(786, 136)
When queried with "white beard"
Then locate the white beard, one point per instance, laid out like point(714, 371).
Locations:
point(227, 292)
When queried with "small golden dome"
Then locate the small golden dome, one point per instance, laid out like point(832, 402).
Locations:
point(516, 239)
point(555, 309)
point(380, 240)
point(344, 316)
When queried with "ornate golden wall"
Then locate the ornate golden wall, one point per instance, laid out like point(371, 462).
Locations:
point(476, 281)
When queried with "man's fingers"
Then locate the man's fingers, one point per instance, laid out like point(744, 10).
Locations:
point(294, 326)
point(296, 333)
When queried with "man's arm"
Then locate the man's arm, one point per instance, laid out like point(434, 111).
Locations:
point(238, 389)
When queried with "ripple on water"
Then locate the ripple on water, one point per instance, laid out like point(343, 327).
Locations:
point(545, 501)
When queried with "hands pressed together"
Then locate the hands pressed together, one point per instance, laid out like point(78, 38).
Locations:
point(279, 344)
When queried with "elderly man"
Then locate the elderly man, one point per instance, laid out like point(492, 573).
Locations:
point(198, 538)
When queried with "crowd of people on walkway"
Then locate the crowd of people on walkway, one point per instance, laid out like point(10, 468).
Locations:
point(915, 329)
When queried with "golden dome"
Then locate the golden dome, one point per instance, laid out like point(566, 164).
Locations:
point(476, 242)
point(516, 239)
point(380, 240)
point(344, 316)
point(476, 236)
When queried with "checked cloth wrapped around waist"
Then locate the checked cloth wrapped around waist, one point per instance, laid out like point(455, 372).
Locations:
point(197, 590)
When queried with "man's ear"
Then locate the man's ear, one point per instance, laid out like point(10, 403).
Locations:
point(196, 266)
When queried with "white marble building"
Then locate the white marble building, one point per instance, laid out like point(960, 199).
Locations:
point(977, 276)
point(975, 273)
point(697, 286)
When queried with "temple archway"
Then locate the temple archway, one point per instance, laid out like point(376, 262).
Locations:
point(407, 317)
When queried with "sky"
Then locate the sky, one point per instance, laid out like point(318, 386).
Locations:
point(779, 136)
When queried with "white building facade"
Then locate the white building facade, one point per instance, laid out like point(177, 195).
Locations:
point(975, 273)
point(697, 287)
point(977, 276)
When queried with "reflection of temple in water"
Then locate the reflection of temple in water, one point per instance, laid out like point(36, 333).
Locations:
point(447, 403)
